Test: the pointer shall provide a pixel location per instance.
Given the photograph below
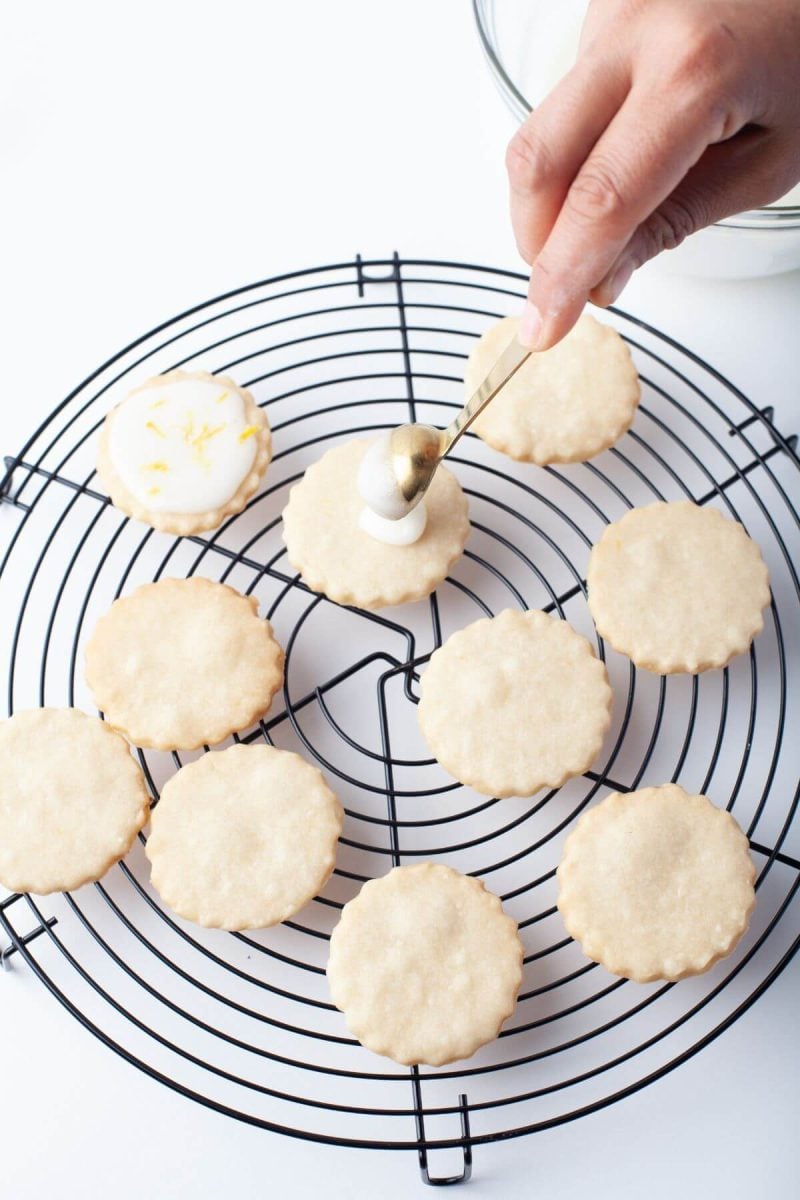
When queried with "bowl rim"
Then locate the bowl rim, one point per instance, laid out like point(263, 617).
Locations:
point(769, 218)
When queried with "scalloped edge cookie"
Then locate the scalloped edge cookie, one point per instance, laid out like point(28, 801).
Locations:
point(183, 663)
point(677, 587)
point(184, 524)
point(72, 800)
point(563, 405)
point(425, 965)
point(243, 838)
point(514, 703)
point(656, 883)
point(336, 557)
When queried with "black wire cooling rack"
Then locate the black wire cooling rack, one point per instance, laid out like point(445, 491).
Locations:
point(243, 1023)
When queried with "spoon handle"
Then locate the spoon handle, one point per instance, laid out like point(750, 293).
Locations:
point(507, 365)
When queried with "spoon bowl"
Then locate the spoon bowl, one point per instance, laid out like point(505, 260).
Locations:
point(398, 467)
point(415, 452)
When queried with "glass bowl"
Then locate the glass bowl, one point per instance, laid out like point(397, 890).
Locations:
point(530, 45)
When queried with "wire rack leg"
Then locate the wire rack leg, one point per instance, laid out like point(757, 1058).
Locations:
point(422, 1152)
point(6, 952)
point(5, 479)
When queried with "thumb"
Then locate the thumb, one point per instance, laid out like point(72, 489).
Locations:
point(748, 171)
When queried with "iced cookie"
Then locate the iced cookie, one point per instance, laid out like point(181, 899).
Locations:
point(563, 405)
point(72, 800)
point(244, 837)
point(335, 554)
point(656, 884)
point(182, 663)
point(425, 965)
point(184, 450)
point(514, 703)
point(677, 587)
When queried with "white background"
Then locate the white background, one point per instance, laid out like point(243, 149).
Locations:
point(156, 154)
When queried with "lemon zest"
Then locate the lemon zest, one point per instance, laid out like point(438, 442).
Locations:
point(197, 438)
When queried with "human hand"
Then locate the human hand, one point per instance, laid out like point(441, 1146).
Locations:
point(676, 114)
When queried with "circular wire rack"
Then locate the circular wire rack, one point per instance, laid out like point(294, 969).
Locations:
point(243, 1023)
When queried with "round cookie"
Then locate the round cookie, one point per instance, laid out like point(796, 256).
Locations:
point(335, 556)
point(244, 837)
point(677, 587)
point(514, 703)
point(184, 450)
point(182, 663)
point(563, 405)
point(425, 965)
point(72, 800)
point(656, 884)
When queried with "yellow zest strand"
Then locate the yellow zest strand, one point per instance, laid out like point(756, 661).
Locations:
point(222, 396)
point(248, 432)
point(155, 428)
point(206, 432)
point(157, 403)
point(159, 465)
point(153, 491)
point(197, 438)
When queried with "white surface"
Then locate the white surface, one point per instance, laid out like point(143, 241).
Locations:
point(346, 127)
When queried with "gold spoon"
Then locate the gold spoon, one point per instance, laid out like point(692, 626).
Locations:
point(398, 468)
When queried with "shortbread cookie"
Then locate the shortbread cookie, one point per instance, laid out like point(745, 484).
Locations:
point(677, 587)
point(335, 556)
point(182, 663)
point(184, 450)
point(514, 703)
point(563, 405)
point(244, 837)
point(425, 965)
point(72, 800)
point(656, 884)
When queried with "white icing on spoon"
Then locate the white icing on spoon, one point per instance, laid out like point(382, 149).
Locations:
point(377, 482)
point(384, 516)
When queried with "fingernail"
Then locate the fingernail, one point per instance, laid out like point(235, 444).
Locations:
point(530, 326)
point(619, 280)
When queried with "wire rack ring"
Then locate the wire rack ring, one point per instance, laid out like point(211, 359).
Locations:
point(243, 1023)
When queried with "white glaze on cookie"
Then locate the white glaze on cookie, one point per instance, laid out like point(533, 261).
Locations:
point(184, 446)
point(403, 532)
